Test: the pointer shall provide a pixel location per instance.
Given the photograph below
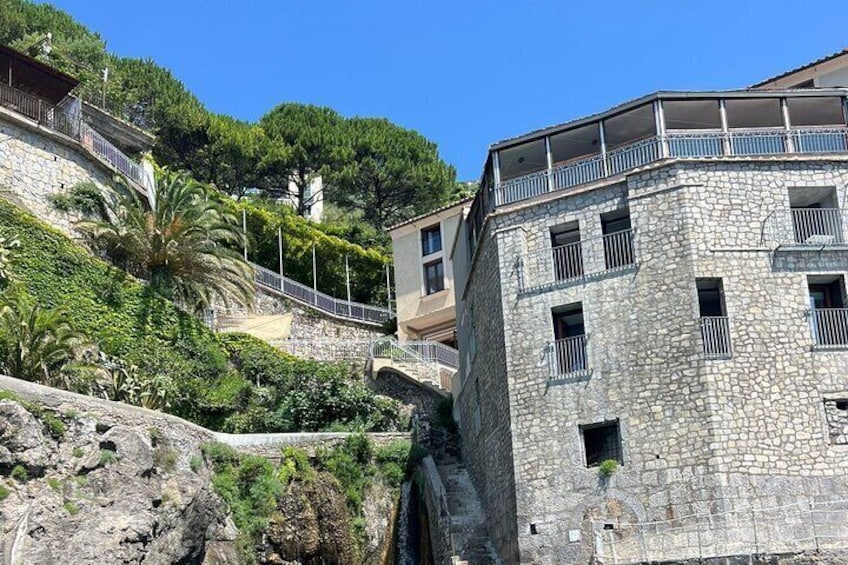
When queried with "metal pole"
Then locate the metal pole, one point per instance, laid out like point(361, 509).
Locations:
point(347, 281)
point(314, 276)
point(280, 249)
point(389, 289)
point(244, 230)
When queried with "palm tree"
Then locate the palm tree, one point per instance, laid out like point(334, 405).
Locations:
point(35, 343)
point(183, 241)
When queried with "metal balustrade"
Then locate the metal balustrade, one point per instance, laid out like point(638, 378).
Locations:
point(435, 351)
point(568, 261)
point(618, 250)
point(578, 172)
point(715, 336)
point(633, 155)
point(814, 228)
point(829, 327)
point(58, 119)
point(678, 144)
point(374, 315)
point(567, 357)
point(577, 260)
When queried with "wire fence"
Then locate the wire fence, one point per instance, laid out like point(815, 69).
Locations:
point(803, 526)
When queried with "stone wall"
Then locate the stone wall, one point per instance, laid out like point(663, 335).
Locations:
point(36, 163)
point(698, 436)
point(484, 397)
point(438, 514)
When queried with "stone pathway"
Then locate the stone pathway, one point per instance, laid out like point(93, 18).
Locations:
point(468, 522)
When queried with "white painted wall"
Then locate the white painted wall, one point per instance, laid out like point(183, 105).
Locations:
point(837, 77)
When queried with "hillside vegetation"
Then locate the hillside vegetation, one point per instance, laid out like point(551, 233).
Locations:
point(229, 383)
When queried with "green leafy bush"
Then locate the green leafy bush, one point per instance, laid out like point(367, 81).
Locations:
point(77, 452)
point(85, 198)
point(107, 457)
point(608, 467)
point(19, 473)
point(71, 508)
point(4, 492)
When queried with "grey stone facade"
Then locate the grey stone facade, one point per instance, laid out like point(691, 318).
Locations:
point(699, 437)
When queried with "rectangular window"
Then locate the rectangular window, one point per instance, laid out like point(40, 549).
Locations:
point(715, 326)
point(567, 252)
point(602, 442)
point(816, 218)
point(570, 340)
point(618, 239)
point(828, 315)
point(434, 277)
point(431, 240)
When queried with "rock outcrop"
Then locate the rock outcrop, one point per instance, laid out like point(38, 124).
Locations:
point(77, 490)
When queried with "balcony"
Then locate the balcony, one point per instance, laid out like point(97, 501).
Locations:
point(829, 327)
point(678, 144)
point(715, 337)
point(581, 260)
point(806, 228)
point(566, 358)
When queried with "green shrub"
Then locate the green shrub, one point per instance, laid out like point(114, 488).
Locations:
point(55, 427)
point(294, 464)
point(71, 508)
point(195, 463)
point(78, 452)
point(54, 484)
point(84, 198)
point(9, 395)
point(19, 473)
point(4, 492)
point(608, 467)
point(107, 457)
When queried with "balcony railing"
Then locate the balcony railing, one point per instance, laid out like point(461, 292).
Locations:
point(567, 357)
point(58, 119)
point(812, 228)
point(678, 144)
point(715, 336)
point(574, 261)
point(829, 327)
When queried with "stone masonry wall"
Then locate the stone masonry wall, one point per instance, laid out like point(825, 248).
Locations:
point(488, 451)
point(699, 437)
point(36, 163)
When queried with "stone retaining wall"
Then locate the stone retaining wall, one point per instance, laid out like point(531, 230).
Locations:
point(436, 501)
point(36, 163)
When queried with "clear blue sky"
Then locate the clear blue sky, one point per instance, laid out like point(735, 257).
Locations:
point(464, 73)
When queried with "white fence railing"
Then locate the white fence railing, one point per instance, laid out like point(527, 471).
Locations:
point(429, 361)
point(715, 336)
point(573, 261)
point(677, 143)
point(829, 327)
point(104, 149)
point(567, 357)
point(806, 227)
point(338, 308)
point(804, 526)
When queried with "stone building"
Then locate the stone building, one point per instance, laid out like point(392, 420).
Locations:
point(653, 331)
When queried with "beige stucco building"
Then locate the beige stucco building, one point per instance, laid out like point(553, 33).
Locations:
point(426, 308)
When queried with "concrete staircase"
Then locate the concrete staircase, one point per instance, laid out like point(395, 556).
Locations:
point(469, 535)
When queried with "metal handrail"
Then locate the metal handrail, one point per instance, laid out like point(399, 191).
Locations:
point(806, 227)
point(829, 327)
point(574, 261)
point(715, 337)
point(677, 144)
point(336, 307)
point(567, 357)
point(58, 119)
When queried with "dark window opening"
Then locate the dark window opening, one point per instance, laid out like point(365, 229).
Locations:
point(828, 315)
point(431, 240)
point(710, 298)
point(434, 277)
point(567, 252)
point(842, 404)
point(618, 239)
point(715, 326)
point(602, 442)
point(570, 344)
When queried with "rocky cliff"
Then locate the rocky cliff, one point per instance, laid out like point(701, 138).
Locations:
point(84, 488)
